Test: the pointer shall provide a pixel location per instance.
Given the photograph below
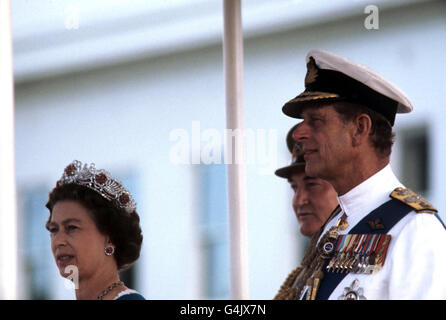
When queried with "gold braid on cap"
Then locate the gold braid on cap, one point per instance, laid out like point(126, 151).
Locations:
point(100, 181)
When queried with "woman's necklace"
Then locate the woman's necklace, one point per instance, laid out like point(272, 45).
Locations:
point(111, 287)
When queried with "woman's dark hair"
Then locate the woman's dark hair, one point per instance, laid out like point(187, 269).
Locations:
point(381, 134)
point(122, 228)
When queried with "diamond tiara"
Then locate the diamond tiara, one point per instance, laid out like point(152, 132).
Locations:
point(100, 181)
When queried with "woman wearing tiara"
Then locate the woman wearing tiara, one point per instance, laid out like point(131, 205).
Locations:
point(95, 232)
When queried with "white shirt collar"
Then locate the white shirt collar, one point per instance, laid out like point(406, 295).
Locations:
point(369, 194)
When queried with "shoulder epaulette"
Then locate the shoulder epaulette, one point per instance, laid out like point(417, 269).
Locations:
point(417, 202)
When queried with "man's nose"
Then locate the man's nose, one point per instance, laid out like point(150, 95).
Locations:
point(301, 197)
point(301, 132)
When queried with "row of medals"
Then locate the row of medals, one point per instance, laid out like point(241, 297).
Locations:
point(359, 253)
point(355, 253)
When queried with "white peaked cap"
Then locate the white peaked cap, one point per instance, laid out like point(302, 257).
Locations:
point(370, 78)
point(331, 77)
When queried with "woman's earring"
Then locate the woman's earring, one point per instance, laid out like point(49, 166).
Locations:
point(109, 250)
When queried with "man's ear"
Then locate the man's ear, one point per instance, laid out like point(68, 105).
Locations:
point(362, 129)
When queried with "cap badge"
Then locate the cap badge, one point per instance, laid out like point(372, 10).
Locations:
point(312, 72)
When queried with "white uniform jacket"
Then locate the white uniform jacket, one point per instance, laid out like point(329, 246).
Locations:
point(416, 258)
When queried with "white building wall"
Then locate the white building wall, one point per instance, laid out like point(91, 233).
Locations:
point(120, 117)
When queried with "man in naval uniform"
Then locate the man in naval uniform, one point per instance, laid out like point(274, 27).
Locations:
point(313, 201)
point(385, 241)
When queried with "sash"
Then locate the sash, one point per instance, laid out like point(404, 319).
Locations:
point(390, 213)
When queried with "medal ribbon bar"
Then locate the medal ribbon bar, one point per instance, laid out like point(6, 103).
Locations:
point(359, 253)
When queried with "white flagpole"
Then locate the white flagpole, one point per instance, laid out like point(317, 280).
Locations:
point(8, 223)
point(236, 170)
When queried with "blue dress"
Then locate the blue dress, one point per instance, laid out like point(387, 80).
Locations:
point(130, 295)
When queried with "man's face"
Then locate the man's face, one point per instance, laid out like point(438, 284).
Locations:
point(313, 201)
point(326, 142)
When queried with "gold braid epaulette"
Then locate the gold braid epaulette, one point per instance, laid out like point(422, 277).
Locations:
point(292, 287)
point(287, 291)
point(417, 202)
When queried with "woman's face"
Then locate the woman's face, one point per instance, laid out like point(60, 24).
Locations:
point(76, 241)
